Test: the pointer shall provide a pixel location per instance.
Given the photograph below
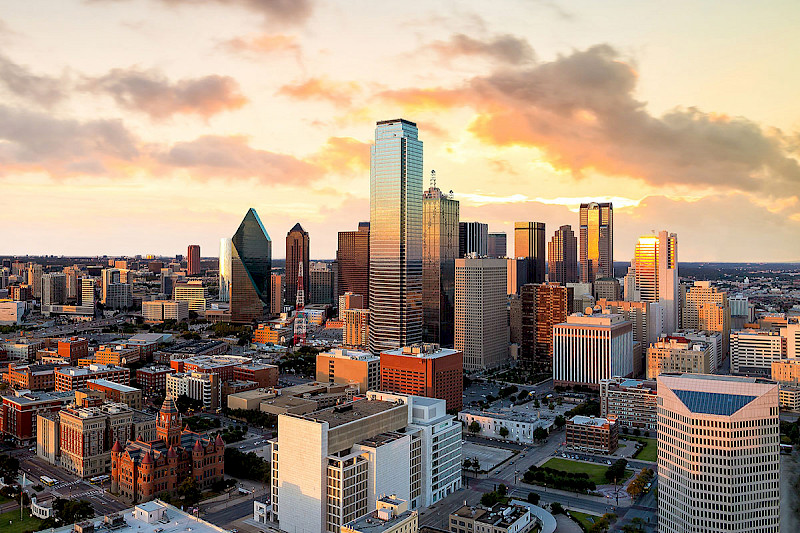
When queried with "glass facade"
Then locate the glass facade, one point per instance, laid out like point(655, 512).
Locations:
point(597, 241)
point(251, 265)
point(395, 281)
point(562, 256)
point(296, 252)
point(224, 269)
point(353, 258)
point(529, 239)
point(440, 249)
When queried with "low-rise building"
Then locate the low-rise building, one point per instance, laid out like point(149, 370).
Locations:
point(631, 402)
point(69, 378)
point(425, 370)
point(591, 434)
point(153, 379)
point(11, 312)
point(517, 427)
point(22, 350)
point(86, 435)
point(299, 399)
point(39, 377)
point(344, 366)
point(678, 354)
point(117, 392)
point(19, 411)
point(391, 516)
point(116, 355)
point(201, 386)
point(157, 311)
point(73, 348)
point(753, 351)
point(274, 332)
point(263, 375)
point(790, 397)
point(223, 366)
point(501, 518)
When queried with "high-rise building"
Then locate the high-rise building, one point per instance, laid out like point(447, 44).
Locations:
point(352, 255)
point(192, 292)
point(718, 456)
point(251, 267)
point(656, 275)
point(350, 300)
point(562, 256)
point(590, 348)
point(678, 354)
point(607, 288)
point(395, 263)
point(225, 268)
point(529, 243)
point(86, 294)
point(754, 351)
point(498, 245)
point(71, 274)
point(54, 288)
point(440, 247)
point(425, 370)
point(344, 367)
point(297, 244)
point(117, 292)
point(481, 326)
point(320, 284)
point(35, 279)
point(631, 402)
point(553, 306)
point(706, 308)
point(646, 319)
point(277, 288)
point(473, 239)
point(517, 274)
point(597, 241)
point(355, 330)
point(193, 260)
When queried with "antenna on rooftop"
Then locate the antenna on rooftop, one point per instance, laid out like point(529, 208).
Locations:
point(433, 179)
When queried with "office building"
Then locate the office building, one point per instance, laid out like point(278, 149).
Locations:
point(142, 470)
point(263, 375)
point(157, 311)
point(718, 457)
point(350, 300)
point(515, 319)
point(297, 399)
point(200, 386)
point(481, 325)
point(529, 243)
point(331, 466)
point(754, 351)
point(225, 269)
point(355, 328)
point(589, 348)
point(520, 426)
point(251, 266)
point(278, 289)
point(73, 348)
point(11, 312)
point(297, 251)
point(69, 378)
point(116, 355)
point(117, 289)
point(707, 308)
point(116, 392)
point(440, 248)
point(527, 323)
point(193, 260)
point(395, 291)
point(656, 275)
point(498, 245)
point(352, 255)
point(71, 282)
point(597, 241)
point(646, 319)
point(607, 289)
point(22, 349)
point(517, 274)
point(54, 289)
point(562, 256)
point(34, 279)
point(553, 306)
point(786, 372)
point(678, 354)
point(593, 435)
point(391, 516)
point(223, 366)
point(425, 370)
point(19, 411)
point(86, 295)
point(500, 518)
point(473, 239)
point(274, 332)
point(153, 379)
point(631, 402)
point(321, 279)
point(344, 366)
point(33, 377)
point(193, 292)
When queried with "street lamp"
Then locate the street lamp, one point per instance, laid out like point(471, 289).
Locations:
point(516, 472)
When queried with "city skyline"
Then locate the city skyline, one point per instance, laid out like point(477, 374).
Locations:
point(181, 146)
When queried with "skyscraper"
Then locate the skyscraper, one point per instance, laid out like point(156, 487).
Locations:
point(553, 306)
point(707, 308)
point(597, 241)
point(251, 265)
point(718, 457)
point(656, 275)
point(395, 291)
point(353, 258)
point(529, 239)
point(473, 238)
point(562, 256)
point(296, 252)
point(497, 245)
point(276, 300)
point(439, 252)
point(193, 260)
point(225, 254)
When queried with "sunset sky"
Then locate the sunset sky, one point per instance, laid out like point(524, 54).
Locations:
point(142, 126)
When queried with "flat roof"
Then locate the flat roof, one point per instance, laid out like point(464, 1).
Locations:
point(28, 397)
point(344, 414)
point(111, 385)
point(588, 420)
point(371, 523)
point(422, 354)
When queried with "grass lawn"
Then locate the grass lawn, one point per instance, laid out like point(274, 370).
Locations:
point(648, 453)
point(597, 473)
point(587, 520)
point(18, 526)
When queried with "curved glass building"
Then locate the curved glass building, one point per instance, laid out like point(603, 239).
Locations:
point(251, 265)
point(224, 269)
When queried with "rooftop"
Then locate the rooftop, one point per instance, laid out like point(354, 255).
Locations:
point(111, 385)
point(589, 421)
point(136, 520)
point(344, 414)
point(423, 351)
point(715, 394)
point(91, 369)
point(26, 397)
point(355, 355)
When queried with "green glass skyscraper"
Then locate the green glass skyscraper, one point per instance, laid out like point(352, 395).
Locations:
point(251, 265)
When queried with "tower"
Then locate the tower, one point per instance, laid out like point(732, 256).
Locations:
point(297, 243)
point(251, 266)
point(562, 256)
point(168, 423)
point(395, 248)
point(193, 259)
point(529, 243)
point(597, 241)
point(300, 304)
point(656, 274)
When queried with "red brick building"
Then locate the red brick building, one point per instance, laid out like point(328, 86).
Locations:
point(140, 471)
point(221, 365)
point(73, 348)
point(70, 378)
point(598, 435)
point(18, 413)
point(153, 379)
point(425, 370)
point(39, 377)
point(264, 375)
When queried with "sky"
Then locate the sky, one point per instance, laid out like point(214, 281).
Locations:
point(141, 126)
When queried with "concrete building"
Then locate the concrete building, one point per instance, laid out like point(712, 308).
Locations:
point(706, 308)
point(631, 402)
point(278, 290)
point(11, 312)
point(297, 399)
point(391, 516)
point(596, 241)
point(54, 289)
point(86, 435)
point(355, 330)
point(678, 354)
point(529, 243)
point(158, 311)
point(712, 338)
point(153, 379)
point(352, 255)
point(473, 239)
point(520, 426)
point(590, 348)
point(594, 435)
point(786, 372)
point(321, 281)
point(351, 300)
point(481, 326)
point(562, 256)
point(274, 332)
point(116, 293)
point(498, 245)
point(608, 289)
point(262, 374)
point(754, 351)
point(197, 386)
point(116, 355)
point(23, 350)
point(118, 393)
point(344, 366)
point(70, 378)
point(20, 409)
point(718, 457)
point(655, 265)
point(501, 518)
point(193, 293)
point(425, 370)
point(516, 274)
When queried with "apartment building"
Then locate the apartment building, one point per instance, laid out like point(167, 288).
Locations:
point(20, 409)
point(263, 375)
point(157, 311)
point(631, 402)
point(343, 366)
point(201, 386)
point(39, 377)
point(117, 392)
point(116, 355)
point(73, 348)
point(193, 293)
point(355, 329)
point(86, 435)
point(69, 378)
point(153, 379)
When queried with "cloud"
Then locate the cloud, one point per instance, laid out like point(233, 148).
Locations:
point(340, 153)
point(503, 48)
point(339, 93)
point(285, 11)
point(152, 93)
point(214, 156)
point(263, 44)
point(42, 90)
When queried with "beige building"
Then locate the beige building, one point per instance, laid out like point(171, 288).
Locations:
point(502, 518)
point(193, 293)
point(160, 310)
point(707, 308)
point(47, 434)
point(755, 351)
point(201, 386)
point(718, 454)
point(786, 372)
point(298, 399)
point(355, 329)
point(116, 392)
point(391, 516)
point(631, 402)
point(344, 367)
point(678, 354)
point(86, 435)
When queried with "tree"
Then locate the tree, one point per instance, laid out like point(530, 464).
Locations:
point(536, 403)
point(502, 490)
point(503, 431)
point(474, 427)
point(467, 464)
point(533, 498)
point(540, 434)
point(556, 508)
point(9, 468)
point(71, 511)
point(189, 490)
point(560, 421)
point(490, 498)
point(616, 471)
point(184, 403)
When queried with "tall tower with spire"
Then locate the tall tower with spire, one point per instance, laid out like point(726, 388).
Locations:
point(168, 424)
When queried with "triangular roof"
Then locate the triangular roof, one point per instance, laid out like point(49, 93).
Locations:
point(297, 227)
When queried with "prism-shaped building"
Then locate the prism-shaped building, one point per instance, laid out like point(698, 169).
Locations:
point(251, 265)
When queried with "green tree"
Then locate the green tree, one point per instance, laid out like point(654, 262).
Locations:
point(556, 508)
point(474, 427)
point(616, 471)
point(502, 490)
point(503, 431)
point(71, 511)
point(9, 468)
point(540, 434)
point(533, 498)
point(560, 421)
point(490, 498)
point(184, 403)
point(189, 490)
point(467, 464)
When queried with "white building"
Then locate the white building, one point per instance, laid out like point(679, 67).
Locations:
point(718, 456)
point(590, 348)
point(197, 386)
point(22, 349)
point(481, 323)
point(11, 312)
point(520, 426)
point(655, 275)
point(754, 350)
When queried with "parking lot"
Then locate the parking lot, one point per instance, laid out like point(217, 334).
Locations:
point(488, 456)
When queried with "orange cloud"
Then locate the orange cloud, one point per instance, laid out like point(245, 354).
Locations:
point(341, 153)
point(264, 44)
point(339, 93)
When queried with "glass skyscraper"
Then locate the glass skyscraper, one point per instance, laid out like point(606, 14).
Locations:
point(529, 242)
point(597, 241)
point(224, 269)
point(395, 249)
point(439, 253)
point(251, 265)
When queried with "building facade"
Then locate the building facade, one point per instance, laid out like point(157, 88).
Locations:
point(498, 245)
point(424, 370)
point(251, 266)
point(193, 260)
point(297, 251)
point(352, 255)
point(755, 351)
point(597, 241)
point(655, 264)
point(678, 354)
point(355, 330)
point(562, 256)
point(590, 434)
point(440, 247)
point(529, 243)
point(631, 402)
point(473, 239)
point(342, 366)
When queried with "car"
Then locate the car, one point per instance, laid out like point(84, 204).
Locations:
point(608, 462)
